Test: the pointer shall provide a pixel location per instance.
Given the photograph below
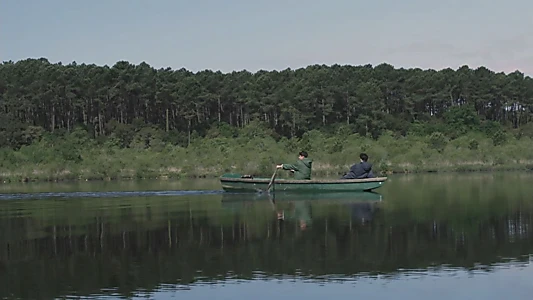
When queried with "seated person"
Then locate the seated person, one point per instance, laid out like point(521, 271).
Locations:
point(361, 170)
point(302, 167)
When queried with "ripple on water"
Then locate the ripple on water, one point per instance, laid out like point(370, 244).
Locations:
point(20, 196)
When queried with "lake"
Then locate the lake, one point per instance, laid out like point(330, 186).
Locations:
point(425, 236)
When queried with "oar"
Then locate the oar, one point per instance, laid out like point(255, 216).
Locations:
point(272, 180)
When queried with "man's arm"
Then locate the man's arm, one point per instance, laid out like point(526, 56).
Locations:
point(351, 173)
point(289, 167)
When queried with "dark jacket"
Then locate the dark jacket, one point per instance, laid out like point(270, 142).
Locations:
point(359, 171)
point(302, 168)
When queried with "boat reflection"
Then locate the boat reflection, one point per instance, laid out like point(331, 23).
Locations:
point(299, 207)
point(342, 196)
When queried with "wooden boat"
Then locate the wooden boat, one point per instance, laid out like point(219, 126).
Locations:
point(243, 183)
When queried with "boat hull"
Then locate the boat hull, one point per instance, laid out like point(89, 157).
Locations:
point(235, 183)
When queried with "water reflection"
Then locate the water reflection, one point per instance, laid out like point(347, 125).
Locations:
point(298, 207)
point(55, 247)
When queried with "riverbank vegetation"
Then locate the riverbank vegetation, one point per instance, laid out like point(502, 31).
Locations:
point(133, 121)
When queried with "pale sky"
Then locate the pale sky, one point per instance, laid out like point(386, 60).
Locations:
point(232, 35)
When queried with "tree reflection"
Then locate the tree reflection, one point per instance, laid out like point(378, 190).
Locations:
point(87, 246)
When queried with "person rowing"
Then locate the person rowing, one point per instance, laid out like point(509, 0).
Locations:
point(301, 169)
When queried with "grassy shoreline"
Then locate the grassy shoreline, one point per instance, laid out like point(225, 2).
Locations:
point(67, 176)
point(78, 158)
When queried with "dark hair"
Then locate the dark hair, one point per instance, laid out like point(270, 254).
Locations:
point(363, 156)
point(303, 153)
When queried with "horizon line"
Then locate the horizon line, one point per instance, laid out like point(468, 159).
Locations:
point(288, 68)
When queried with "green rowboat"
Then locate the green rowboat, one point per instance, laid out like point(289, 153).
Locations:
point(242, 183)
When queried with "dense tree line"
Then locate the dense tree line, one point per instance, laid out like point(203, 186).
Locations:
point(37, 96)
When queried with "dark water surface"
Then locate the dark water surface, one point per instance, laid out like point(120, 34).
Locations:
point(439, 236)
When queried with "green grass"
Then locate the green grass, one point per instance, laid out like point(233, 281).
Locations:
point(75, 158)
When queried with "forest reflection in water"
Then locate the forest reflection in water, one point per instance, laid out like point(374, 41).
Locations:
point(81, 246)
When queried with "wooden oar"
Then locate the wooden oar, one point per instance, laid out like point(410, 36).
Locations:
point(271, 183)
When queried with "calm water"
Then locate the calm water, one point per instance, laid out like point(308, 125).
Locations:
point(419, 237)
